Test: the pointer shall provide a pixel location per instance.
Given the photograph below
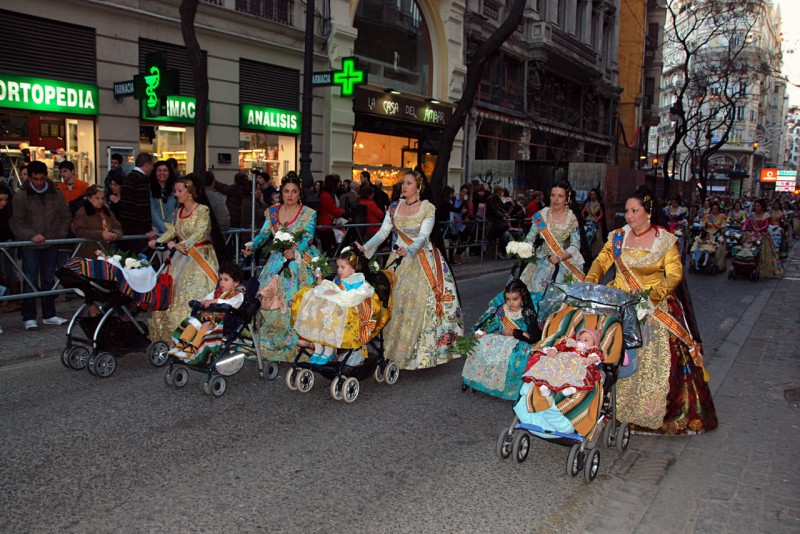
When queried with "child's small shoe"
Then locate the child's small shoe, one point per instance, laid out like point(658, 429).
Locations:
point(326, 358)
point(568, 392)
point(173, 351)
point(181, 354)
point(544, 390)
point(316, 359)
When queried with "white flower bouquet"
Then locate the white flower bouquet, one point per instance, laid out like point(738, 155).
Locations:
point(284, 240)
point(519, 250)
point(321, 266)
point(645, 307)
point(125, 260)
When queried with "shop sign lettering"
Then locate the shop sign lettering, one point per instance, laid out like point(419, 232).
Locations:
point(179, 109)
point(269, 119)
point(401, 107)
point(23, 92)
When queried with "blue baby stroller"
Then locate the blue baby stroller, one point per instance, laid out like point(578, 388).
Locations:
point(591, 416)
point(237, 344)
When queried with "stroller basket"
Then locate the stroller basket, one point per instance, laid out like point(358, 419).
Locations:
point(597, 299)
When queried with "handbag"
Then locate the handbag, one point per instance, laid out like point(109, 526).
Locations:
point(162, 292)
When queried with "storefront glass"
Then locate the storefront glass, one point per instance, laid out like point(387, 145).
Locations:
point(166, 142)
point(275, 154)
point(388, 157)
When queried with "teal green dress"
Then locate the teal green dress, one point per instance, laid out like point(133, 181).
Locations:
point(498, 362)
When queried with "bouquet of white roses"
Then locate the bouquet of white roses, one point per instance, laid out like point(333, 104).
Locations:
point(321, 265)
point(519, 250)
point(645, 306)
point(284, 240)
point(125, 260)
point(374, 266)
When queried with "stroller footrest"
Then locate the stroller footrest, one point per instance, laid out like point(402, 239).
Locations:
point(554, 433)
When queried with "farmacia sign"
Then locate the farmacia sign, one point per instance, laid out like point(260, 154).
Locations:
point(39, 94)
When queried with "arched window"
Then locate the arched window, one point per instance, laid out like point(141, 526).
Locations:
point(394, 45)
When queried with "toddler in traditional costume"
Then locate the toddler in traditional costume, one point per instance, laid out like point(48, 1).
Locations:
point(342, 313)
point(568, 366)
point(199, 335)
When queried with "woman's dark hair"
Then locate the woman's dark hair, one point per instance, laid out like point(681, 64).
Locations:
point(528, 310)
point(292, 178)
point(761, 202)
point(567, 187)
point(366, 191)
point(650, 204)
point(318, 183)
point(715, 204)
point(332, 182)
point(233, 270)
point(155, 187)
point(197, 189)
point(356, 260)
point(572, 205)
point(118, 179)
point(735, 203)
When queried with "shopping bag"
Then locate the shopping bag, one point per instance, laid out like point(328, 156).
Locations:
point(162, 293)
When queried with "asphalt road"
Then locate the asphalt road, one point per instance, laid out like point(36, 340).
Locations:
point(130, 454)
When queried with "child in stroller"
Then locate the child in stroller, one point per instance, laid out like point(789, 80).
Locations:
point(582, 418)
point(343, 318)
point(708, 255)
point(745, 256)
point(227, 318)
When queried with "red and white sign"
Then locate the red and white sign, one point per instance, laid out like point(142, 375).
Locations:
point(769, 175)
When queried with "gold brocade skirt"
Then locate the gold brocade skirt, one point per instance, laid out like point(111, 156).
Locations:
point(190, 282)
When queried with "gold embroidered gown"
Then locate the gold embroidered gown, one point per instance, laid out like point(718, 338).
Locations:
point(418, 337)
point(668, 394)
point(190, 281)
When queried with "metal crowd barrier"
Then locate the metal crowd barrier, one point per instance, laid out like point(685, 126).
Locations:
point(233, 238)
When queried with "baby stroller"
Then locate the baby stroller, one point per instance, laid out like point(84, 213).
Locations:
point(237, 344)
point(732, 236)
point(707, 255)
point(592, 414)
point(351, 364)
point(745, 257)
point(117, 330)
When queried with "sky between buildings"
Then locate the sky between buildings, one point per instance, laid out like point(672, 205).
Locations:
point(790, 12)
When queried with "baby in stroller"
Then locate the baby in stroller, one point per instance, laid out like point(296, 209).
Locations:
point(569, 366)
point(707, 253)
point(330, 314)
point(200, 335)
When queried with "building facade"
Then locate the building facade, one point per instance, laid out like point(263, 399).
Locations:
point(550, 95)
point(74, 52)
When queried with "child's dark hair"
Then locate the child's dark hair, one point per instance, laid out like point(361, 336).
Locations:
point(232, 270)
point(356, 260)
point(528, 311)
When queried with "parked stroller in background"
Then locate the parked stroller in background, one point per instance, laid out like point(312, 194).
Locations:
point(238, 325)
point(116, 330)
point(745, 257)
point(591, 414)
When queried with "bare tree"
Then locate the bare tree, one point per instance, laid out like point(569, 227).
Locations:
point(474, 74)
point(188, 12)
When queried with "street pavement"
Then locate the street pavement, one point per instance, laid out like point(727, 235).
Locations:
point(129, 454)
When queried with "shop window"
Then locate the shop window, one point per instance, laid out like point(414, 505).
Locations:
point(13, 126)
point(51, 128)
point(272, 153)
point(394, 45)
point(386, 157)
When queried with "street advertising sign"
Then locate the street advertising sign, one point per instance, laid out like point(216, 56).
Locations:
point(401, 107)
point(55, 96)
point(786, 182)
point(347, 78)
point(769, 175)
point(269, 119)
point(180, 109)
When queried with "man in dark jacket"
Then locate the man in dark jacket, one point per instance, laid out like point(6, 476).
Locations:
point(235, 194)
point(115, 172)
point(40, 214)
point(134, 203)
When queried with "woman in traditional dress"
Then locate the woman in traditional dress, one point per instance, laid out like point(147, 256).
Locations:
point(426, 315)
point(559, 230)
point(678, 222)
point(737, 216)
point(669, 393)
point(196, 237)
point(779, 229)
point(285, 272)
point(715, 223)
point(594, 213)
point(769, 264)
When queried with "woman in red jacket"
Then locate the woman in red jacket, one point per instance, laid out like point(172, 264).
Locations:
point(374, 213)
point(328, 212)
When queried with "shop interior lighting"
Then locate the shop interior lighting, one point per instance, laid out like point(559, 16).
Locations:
point(171, 129)
point(432, 101)
point(392, 91)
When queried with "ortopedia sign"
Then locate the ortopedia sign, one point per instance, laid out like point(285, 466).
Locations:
point(269, 119)
point(55, 96)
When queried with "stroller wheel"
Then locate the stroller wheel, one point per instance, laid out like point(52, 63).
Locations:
point(391, 373)
point(91, 365)
point(78, 357)
point(336, 388)
point(291, 379)
point(521, 446)
point(503, 449)
point(609, 434)
point(378, 374)
point(217, 386)
point(65, 357)
point(592, 465)
point(623, 436)
point(105, 364)
point(168, 378)
point(305, 380)
point(574, 460)
point(180, 376)
point(350, 389)
point(463, 386)
point(157, 353)
point(272, 371)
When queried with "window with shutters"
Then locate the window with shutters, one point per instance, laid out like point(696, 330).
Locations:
point(262, 84)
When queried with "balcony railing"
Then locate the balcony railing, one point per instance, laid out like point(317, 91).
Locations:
point(274, 10)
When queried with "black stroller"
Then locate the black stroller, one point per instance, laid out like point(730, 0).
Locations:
point(239, 325)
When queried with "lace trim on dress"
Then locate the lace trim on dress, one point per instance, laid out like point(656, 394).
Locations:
point(662, 244)
point(513, 315)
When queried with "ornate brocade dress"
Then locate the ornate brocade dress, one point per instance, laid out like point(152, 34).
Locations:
point(191, 281)
point(539, 271)
point(276, 337)
point(424, 322)
point(669, 393)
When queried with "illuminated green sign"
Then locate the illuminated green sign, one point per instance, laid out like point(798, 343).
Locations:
point(152, 81)
point(178, 109)
point(269, 119)
point(24, 92)
point(349, 76)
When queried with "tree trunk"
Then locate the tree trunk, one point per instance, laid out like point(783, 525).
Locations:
point(188, 12)
point(474, 74)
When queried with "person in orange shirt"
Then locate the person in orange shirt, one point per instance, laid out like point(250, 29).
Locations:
point(72, 188)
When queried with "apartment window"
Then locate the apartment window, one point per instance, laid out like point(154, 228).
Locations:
point(580, 20)
point(739, 113)
point(274, 10)
point(649, 91)
point(752, 115)
point(652, 37)
point(561, 15)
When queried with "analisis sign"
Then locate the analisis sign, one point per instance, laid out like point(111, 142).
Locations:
point(269, 119)
point(24, 92)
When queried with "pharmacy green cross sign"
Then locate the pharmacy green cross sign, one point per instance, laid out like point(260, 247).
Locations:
point(346, 79)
